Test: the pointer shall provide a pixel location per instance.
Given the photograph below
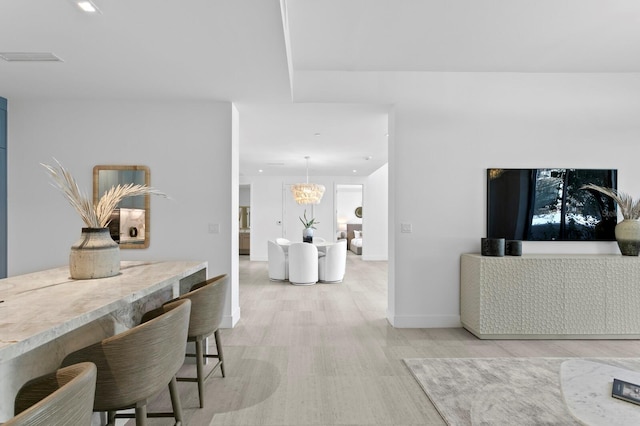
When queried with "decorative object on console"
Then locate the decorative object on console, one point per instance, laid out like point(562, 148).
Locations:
point(95, 254)
point(307, 232)
point(628, 231)
point(513, 248)
point(307, 193)
point(492, 247)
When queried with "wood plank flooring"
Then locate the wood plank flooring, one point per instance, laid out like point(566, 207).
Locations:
point(326, 355)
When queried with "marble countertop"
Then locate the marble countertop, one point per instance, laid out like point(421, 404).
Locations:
point(36, 308)
point(586, 387)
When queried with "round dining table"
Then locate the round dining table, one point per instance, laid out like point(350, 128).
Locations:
point(320, 245)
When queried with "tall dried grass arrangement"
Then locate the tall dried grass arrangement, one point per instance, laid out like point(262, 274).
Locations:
point(630, 209)
point(99, 215)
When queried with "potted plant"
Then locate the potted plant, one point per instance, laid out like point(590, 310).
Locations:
point(309, 226)
point(628, 231)
point(95, 254)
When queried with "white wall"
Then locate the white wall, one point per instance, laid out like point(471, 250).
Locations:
point(188, 147)
point(348, 198)
point(244, 195)
point(442, 145)
point(376, 216)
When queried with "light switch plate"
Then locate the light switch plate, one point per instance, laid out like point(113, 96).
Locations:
point(406, 227)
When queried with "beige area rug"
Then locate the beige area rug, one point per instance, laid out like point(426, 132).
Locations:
point(499, 391)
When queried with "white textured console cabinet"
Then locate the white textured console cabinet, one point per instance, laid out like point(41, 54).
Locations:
point(550, 296)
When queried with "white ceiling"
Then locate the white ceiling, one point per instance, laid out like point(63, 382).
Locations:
point(339, 51)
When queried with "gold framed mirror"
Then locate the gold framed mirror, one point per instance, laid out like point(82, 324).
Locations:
point(129, 224)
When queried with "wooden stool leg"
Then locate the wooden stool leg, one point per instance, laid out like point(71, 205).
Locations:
point(216, 334)
point(141, 414)
point(200, 371)
point(175, 400)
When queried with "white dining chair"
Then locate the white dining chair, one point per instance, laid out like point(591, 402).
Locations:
point(303, 264)
point(332, 266)
point(278, 262)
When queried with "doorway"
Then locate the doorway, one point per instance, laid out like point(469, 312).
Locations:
point(244, 220)
point(348, 219)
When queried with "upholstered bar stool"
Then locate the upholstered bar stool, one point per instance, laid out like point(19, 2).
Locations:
point(207, 307)
point(62, 398)
point(137, 364)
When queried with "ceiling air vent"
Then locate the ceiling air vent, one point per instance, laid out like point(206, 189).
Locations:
point(29, 57)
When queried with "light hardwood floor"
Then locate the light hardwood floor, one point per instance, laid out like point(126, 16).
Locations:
point(326, 355)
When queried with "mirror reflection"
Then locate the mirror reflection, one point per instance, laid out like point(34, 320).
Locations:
point(129, 224)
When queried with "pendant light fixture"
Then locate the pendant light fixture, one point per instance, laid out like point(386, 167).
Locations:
point(307, 193)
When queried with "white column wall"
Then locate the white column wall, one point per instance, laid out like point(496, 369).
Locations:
point(187, 146)
point(376, 215)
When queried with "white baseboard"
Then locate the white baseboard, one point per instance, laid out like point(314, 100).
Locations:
point(425, 321)
point(374, 258)
point(230, 321)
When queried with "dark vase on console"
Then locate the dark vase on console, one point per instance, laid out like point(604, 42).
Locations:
point(492, 247)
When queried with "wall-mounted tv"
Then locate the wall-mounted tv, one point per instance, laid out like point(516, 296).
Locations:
point(548, 205)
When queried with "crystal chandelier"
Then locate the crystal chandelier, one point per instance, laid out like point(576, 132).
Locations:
point(307, 193)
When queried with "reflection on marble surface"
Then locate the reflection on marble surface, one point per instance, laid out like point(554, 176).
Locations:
point(46, 315)
point(586, 387)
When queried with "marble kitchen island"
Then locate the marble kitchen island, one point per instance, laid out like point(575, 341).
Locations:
point(46, 315)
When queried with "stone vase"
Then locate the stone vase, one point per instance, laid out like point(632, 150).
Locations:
point(307, 235)
point(94, 255)
point(628, 237)
point(492, 246)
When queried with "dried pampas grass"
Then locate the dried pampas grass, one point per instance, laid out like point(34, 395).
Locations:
point(97, 216)
point(630, 209)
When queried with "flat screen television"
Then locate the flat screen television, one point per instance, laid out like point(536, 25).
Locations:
point(548, 205)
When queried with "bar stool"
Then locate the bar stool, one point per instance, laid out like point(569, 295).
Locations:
point(61, 398)
point(137, 364)
point(207, 307)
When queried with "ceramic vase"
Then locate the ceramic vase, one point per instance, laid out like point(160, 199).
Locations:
point(307, 235)
point(628, 237)
point(492, 246)
point(94, 255)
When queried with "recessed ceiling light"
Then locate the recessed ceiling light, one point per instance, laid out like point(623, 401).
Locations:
point(88, 6)
point(30, 57)
point(260, 171)
point(368, 157)
point(355, 171)
point(316, 134)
